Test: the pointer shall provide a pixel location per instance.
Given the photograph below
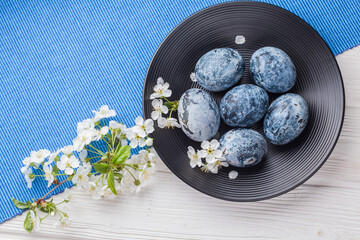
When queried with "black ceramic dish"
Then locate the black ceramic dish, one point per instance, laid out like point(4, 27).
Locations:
point(319, 82)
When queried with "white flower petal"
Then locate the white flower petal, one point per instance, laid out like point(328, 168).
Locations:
point(210, 159)
point(139, 121)
point(191, 150)
point(161, 122)
point(167, 93)
point(217, 153)
point(164, 109)
point(233, 174)
point(155, 115)
point(149, 142)
point(83, 154)
point(205, 145)
point(202, 153)
point(214, 144)
point(160, 80)
point(69, 171)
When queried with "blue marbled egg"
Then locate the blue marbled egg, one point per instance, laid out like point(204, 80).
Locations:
point(272, 69)
point(244, 105)
point(219, 69)
point(286, 118)
point(243, 147)
point(198, 115)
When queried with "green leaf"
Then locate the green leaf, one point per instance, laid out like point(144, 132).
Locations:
point(101, 167)
point(28, 224)
point(168, 104)
point(44, 210)
point(118, 175)
point(110, 181)
point(20, 205)
point(121, 154)
point(56, 169)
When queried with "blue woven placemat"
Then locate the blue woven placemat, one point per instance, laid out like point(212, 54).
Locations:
point(61, 59)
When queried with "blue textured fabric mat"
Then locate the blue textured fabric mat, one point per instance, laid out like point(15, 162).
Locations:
point(61, 59)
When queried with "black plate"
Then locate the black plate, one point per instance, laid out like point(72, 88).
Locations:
point(319, 82)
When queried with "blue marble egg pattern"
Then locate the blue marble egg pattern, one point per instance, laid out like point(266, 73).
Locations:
point(198, 114)
point(244, 105)
point(219, 69)
point(286, 118)
point(243, 147)
point(272, 69)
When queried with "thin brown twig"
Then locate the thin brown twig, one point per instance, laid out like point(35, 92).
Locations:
point(60, 183)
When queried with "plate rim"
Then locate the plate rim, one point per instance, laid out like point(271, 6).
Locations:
point(312, 172)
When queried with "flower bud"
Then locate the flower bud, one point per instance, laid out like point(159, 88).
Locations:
point(31, 176)
point(137, 182)
point(43, 204)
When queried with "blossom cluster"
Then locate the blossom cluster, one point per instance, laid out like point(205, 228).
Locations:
point(209, 158)
point(102, 173)
point(162, 92)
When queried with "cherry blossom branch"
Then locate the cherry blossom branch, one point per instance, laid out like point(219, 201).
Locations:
point(60, 183)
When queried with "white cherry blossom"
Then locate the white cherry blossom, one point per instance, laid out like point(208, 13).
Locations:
point(35, 221)
point(87, 124)
point(210, 151)
point(48, 174)
point(84, 138)
point(161, 90)
point(143, 128)
point(39, 156)
point(159, 109)
point(95, 191)
point(63, 223)
point(81, 178)
point(104, 112)
point(168, 123)
point(83, 154)
point(100, 133)
point(67, 164)
point(115, 125)
point(29, 180)
point(195, 160)
point(215, 166)
point(149, 142)
point(67, 149)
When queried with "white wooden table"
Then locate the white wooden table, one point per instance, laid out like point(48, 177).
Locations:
point(325, 207)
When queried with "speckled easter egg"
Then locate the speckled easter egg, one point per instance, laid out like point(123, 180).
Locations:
point(244, 105)
point(198, 114)
point(219, 69)
point(286, 118)
point(243, 147)
point(272, 69)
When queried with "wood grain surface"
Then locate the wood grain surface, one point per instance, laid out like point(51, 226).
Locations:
point(325, 207)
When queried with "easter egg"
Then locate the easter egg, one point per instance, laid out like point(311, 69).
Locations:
point(272, 69)
point(286, 118)
point(198, 115)
point(244, 105)
point(243, 147)
point(219, 69)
